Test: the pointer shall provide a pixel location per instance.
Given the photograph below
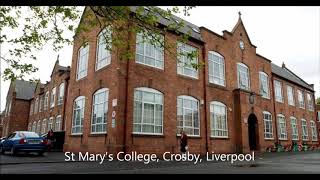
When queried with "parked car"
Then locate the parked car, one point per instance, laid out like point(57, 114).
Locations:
point(24, 141)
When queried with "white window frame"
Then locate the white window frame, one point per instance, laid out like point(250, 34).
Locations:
point(314, 134)
point(44, 126)
point(105, 60)
point(294, 128)
point(105, 109)
point(282, 127)
point(304, 127)
point(214, 126)
point(61, 93)
point(267, 123)
point(183, 61)
point(31, 108)
point(41, 104)
point(36, 106)
point(58, 123)
point(290, 95)
point(264, 83)
point(39, 127)
point(154, 91)
point(318, 116)
point(158, 51)
point(50, 123)
point(310, 102)
point(190, 98)
point(278, 91)
point(216, 59)
point(301, 99)
point(46, 101)
point(242, 74)
point(82, 111)
point(83, 58)
point(53, 97)
point(34, 126)
point(30, 126)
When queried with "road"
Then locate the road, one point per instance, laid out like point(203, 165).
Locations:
point(268, 163)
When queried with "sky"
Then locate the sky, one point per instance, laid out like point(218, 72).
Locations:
point(281, 34)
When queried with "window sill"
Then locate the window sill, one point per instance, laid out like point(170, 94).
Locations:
point(217, 86)
point(219, 138)
point(82, 79)
point(97, 134)
point(188, 77)
point(269, 139)
point(283, 139)
point(146, 66)
point(76, 135)
point(190, 136)
point(148, 135)
point(103, 68)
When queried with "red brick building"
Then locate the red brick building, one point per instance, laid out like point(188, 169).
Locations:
point(47, 107)
point(1, 124)
point(318, 116)
point(15, 117)
point(238, 102)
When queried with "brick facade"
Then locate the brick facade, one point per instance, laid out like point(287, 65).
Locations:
point(15, 117)
point(122, 77)
point(59, 75)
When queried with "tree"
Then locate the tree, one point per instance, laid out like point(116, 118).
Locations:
point(318, 100)
point(36, 26)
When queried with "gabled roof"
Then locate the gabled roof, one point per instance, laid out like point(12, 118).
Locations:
point(245, 31)
point(186, 29)
point(24, 89)
point(289, 75)
point(58, 68)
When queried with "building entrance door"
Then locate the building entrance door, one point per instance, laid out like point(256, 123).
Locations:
point(253, 132)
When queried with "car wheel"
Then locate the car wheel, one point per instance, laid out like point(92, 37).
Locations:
point(40, 153)
point(12, 151)
point(1, 150)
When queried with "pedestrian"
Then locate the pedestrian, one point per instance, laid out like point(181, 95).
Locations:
point(50, 138)
point(183, 142)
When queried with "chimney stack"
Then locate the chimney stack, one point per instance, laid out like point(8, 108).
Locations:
point(283, 65)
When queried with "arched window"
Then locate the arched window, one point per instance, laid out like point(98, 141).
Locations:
point(294, 128)
point(39, 127)
point(218, 120)
point(61, 93)
point(304, 127)
point(99, 111)
point(267, 119)
point(104, 44)
point(36, 106)
point(264, 84)
point(57, 126)
point(216, 68)
point(83, 55)
point(34, 126)
point(243, 76)
point(148, 111)
point(188, 115)
point(78, 115)
point(313, 131)
point(44, 126)
point(46, 101)
point(50, 124)
point(53, 97)
point(282, 129)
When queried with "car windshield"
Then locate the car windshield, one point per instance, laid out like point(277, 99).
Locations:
point(28, 135)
